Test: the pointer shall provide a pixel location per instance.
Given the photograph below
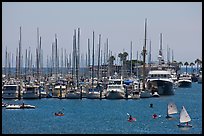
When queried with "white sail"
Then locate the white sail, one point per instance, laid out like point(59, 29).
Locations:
point(184, 117)
point(172, 109)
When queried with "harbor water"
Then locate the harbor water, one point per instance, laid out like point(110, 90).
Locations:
point(94, 116)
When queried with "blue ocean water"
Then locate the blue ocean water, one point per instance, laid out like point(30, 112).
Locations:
point(104, 116)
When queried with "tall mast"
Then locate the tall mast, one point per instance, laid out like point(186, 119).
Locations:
point(29, 60)
point(17, 63)
point(160, 50)
point(26, 60)
point(40, 57)
point(150, 52)
point(19, 56)
point(56, 60)
point(99, 57)
point(6, 62)
point(144, 55)
point(137, 65)
point(78, 67)
point(93, 61)
point(37, 53)
point(107, 51)
point(9, 65)
point(131, 58)
point(89, 59)
point(77, 59)
point(172, 55)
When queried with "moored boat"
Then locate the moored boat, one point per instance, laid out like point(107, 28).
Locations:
point(161, 79)
point(115, 89)
point(184, 80)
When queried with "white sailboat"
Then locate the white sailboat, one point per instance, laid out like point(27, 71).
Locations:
point(184, 118)
point(171, 109)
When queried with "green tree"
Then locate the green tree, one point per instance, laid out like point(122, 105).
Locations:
point(192, 64)
point(198, 62)
point(123, 58)
point(186, 64)
point(111, 60)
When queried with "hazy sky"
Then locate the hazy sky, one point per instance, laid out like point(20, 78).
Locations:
point(179, 22)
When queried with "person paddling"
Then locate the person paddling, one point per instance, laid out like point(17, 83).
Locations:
point(130, 117)
point(154, 116)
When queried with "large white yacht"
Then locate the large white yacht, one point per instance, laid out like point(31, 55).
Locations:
point(10, 91)
point(115, 89)
point(31, 91)
point(184, 80)
point(160, 79)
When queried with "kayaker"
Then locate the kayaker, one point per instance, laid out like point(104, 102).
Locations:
point(130, 117)
point(154, 116)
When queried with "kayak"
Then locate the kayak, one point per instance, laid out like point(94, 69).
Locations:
point(131, 120)
point(59, 114)
point(154, 116)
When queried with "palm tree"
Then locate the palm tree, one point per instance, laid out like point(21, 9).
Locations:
point(111, 60)
point(186, 64)
point(180, 64)
point(197, 61)
point(192, 64)
point(123, 57)
point(110, 63)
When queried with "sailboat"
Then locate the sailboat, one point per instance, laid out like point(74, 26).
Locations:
point(171, 109)
point(184, 118)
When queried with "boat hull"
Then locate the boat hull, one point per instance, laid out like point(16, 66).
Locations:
point(184, 125)
point(93, 95)
point(115, 95)
point(10, 96)
point(163, 87)
point(30, 96)
point(184, 83)
point(73, 96)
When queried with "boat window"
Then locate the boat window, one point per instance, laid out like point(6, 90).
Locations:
point(117, 82)
point(113, 87)
point(10, 87)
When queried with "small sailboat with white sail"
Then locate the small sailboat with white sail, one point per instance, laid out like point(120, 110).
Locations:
point(171, 109)
point(184, 118)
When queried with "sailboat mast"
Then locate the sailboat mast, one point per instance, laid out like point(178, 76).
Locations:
point(89, 59)
point(99, 57)
point(19, 60)
point(93, 61)
point(144, 54)
point(150, 52)
point(137, 65)
point(78, 58)
point(6, 62)
point(131, 58)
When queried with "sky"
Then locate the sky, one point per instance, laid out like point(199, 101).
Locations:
point(179, 22)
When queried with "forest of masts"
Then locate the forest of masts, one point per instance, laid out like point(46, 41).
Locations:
point(70, 63)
